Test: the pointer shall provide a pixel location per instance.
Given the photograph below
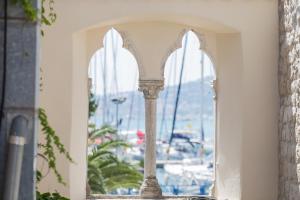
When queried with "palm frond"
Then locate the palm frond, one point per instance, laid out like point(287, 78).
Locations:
point(114, 144)
point(106, 172)
point(95, 133)
point(99, 154)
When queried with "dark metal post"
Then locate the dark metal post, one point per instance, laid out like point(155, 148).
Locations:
point(16, 141)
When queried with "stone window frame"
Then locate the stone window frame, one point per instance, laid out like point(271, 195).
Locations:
point(150, 88)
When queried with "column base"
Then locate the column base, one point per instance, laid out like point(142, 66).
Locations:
point(150, 188)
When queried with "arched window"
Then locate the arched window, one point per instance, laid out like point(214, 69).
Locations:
point(181, 159)
point(113, 71)
point(115, 120)
point(186, 121)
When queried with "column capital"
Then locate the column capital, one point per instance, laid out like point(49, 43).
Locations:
point(151, 88)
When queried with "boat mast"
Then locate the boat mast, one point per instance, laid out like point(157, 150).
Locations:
point(162, 124)
point(114, 44)
point(114, 82)
point(179, 88)
point(201, 97)
point(104, 75)
point(132, 102)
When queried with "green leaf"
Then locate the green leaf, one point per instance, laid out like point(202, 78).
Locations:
point(52, 144)
point(106, 172)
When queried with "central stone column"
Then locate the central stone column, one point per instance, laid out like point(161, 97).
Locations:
point(150, 187)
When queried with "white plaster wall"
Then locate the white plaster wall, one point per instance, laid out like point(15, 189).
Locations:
point(241, 36)
point(260, 112)
point(229, 116)
point(56, 97)
point(79, 116)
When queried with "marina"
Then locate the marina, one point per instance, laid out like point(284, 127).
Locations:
point(185, 116)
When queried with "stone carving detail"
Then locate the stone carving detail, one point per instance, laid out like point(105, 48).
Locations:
point(150, 188)
point(151, 88)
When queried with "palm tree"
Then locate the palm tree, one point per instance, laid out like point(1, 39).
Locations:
point(106, 172)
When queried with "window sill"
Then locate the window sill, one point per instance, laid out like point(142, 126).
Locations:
point(115, 197)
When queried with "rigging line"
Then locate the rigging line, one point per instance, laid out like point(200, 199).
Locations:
point(201, 96)
point(106, 93)
point(175, 75)
point(4, 64)
point(179, 88)
point(104, 75)
point(98, 71)
point(96, 79)
point(111, 54)
point(132, 102)
point(115, 53)
point(175, 72)
point(166, 98)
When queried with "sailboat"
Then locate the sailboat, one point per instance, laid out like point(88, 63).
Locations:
point(185, 163)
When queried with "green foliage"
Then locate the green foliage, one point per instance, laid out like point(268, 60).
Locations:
point(103, 131)
point(106, 172)
point(48, 18)
point(29, 10)
point(39, 176)
point(50, 196)
point(142, 163)
point(93, 104)
point(51, 143)
point(46, 15)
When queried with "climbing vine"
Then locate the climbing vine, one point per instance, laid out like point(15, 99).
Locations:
point(46, 15)
point(29, 10)
point(47, 149)
point(50, 196)
point(51, 143)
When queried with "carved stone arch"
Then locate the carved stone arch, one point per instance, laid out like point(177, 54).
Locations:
point(124, 45)
point(128, 45)
point(205, 49)
point(178, 44)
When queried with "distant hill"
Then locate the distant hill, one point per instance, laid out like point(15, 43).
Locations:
point(188, 114)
